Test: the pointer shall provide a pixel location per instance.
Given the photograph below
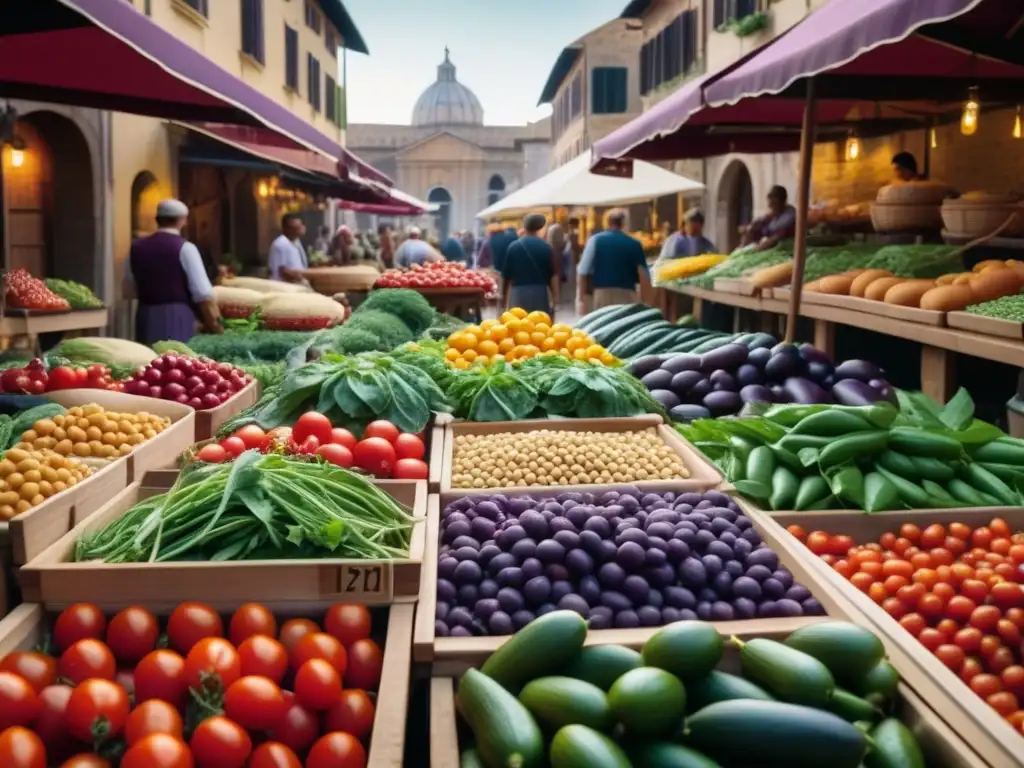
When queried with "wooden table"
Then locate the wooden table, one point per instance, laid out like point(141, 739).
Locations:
point(939, 346)
point(459, 302)
point(30, 326)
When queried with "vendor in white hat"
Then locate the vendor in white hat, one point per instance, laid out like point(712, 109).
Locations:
point(416, 250)
point(165, 272)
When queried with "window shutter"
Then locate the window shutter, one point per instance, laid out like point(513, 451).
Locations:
point(330, 99)
point(621, 79)
point(291, 58)
point(719, 16)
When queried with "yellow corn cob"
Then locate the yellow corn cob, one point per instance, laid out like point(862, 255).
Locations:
point(677, 269)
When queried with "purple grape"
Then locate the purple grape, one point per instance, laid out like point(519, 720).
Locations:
point(627, 619)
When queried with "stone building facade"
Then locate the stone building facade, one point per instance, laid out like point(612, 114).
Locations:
point(447, 155)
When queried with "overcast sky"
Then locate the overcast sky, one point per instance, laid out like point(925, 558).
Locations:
point(502, 50)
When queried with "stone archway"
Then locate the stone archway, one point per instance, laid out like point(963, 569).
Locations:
point(495, 189)
point(442, 217)
point(50, 201)
point(145, 197)
point(735, 204)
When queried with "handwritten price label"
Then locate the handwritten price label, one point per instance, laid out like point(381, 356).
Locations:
point(367, 582)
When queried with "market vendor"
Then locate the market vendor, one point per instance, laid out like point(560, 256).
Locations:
point(611, 266)
point(690, 241)
point(452, 248)
point(530, 274)
point(415, 250)
point(904, 167)
point(776, 225)
point(288, 259)
point(387, 246)
point(165, 272)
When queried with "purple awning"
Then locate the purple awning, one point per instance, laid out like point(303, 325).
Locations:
point(105, 54)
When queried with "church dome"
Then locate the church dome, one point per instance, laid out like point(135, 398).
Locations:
point(447, 101)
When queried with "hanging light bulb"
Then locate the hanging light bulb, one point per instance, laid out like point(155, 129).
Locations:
point(1017, 133)
point(263, 189)
point(17, 158)
point(969, 118)
point(852, 146)
point(933, 138)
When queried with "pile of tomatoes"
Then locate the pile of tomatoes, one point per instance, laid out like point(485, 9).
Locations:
point(34, 379)
point(27, 292)
point(383, 451)
point(957, 589)
point(440, 274)
point(246, 692)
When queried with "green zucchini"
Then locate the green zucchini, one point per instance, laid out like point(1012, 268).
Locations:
point(635, 336)
point(744, 338)
point(966, 493)
point(648, 702)
point(540, 648)
point(918, 442)
point(576, 746)
point(558, 701)
point(910, 493)
point(607, 334)
point(937, 495)
point(879, 684)
point(470, 759)
point(758, 734)
point(786, 672)
point(602, 665)
point(664, 754)
point(711, 344)
point(505, 732)
point(1000, 452)
point(721, 686)
point(1008, 473)
point(894, 746)
point(988, 482)
point(932, 469)
point(765, 340)
point(852, 708)
point(687, 649)
point(690, 344)
point(831, 424)
point(606, 315)
point(848, 651)
point(897, 463)
point(665, 343)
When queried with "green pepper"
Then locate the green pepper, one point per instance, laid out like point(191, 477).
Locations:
point(897, 463)
point(1008, 473)
point(967, 494)
point(795, 443)
point(910, 493)
point(847, 483)
point(989, 483)
point(879, 493)
point(918, 442)
point(741, 446)
point(813, 490)
point(831, 423)
point(940, 497)
point(785, 485)
point(933, 469)
point(853, 447)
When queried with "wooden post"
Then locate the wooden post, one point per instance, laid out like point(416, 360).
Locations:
point(803, 193)
point(825, 337)
point(938, 373)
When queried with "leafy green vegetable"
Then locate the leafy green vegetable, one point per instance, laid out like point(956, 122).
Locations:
point(492, 393)
point(77, 295)
point(175, 347)
point(408, 306)
point(256, 346)
point(389, 328)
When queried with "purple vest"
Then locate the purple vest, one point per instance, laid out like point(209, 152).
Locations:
point(156, 269)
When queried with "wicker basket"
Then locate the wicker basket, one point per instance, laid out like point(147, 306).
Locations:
point(914, 193)
point(976, 214)
point(905, 217)
point(332, 280)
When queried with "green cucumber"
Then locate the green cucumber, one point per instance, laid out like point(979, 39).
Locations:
point(966, 493)
point(832, 424)
point(602, 665)
point(1000, 452)
point(470, 759)
point(897, 463)
point(638, 336)
point(785, 485)
point(852, 708)
point(606, 315)
point(655, 342)
point(558, 701)
point(894, 746)
point(607, 334)
point(666, 342)
point(879, 684)
point(932, 469)
point(721, 686)
point(691, 344)
point(649, 702)
point(1008, 473)
point(664, 754)
point(506, 733)
point(813, 490)
point(918, 442)
point(712, 344)
point(761, 465)
point(541, 648)
point(989, 483)
point(853, 447)
point(576, 746)
point(687, 649)
point(785, 672)
point(848, 651)
point(762, 340)
point(771, 733)
point(938, 496)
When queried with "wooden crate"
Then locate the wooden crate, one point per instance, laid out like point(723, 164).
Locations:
point(27, 535)
point(991, 326)
point(26, 627)
point(942, 747)
point(51, 579)
point(703, 476)
point(451, 655)
point(858, 304)
point(435, 456)
point(209, 421)
point(989, 735)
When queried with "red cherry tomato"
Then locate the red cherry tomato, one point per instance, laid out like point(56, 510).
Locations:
point(319, 645)
point(78, 622)
point(347, 622)
point(161, 675)
point(375, 455)
point(49, 723)
point(263, 655)
point(411, 469)
point(273, 754)
point(19, 703)
point(294, 630)
point(409, 447)
point(317, 685)
point(132, 634)
point(233, 446)
point(337, 750)
point(212, 453)
point(381, 428)
point(312, 424)
point(190, 623)
point(253, 437)
point(38, 669)
point(158, 750)
point(153, 716)
point(255, 703)
point(220, 743)
point(336, 454)
point(299, 727)
point(210, 661)
point(96, 707)
point(87, 659)
point(365, 662)
point(20, 748)
point(343, 437)
point(352, 714)
point(251, 619)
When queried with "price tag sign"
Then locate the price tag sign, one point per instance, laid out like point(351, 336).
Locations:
point(366, 582)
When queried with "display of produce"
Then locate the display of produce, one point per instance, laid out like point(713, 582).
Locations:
point(817, 698)
point(872, 457)
point(199, 383)
point(92, 432)
point(756, 370)
point(259, 507)
point(521, 335)
point(1006, 308)
point(677, 269)
point(28, 477)
point(22, 291)
point(956, 588)
point(562, 457)
point(407, 305)
point(77, 295)
point(437, 275)
point(620, 558)
point(236, 302)
point(109, 351)
point(240, 348)
point(382, 450)
point(741, 262)
point(248, 689)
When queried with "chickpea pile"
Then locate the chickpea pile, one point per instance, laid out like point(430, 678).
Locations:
point(29, 477)
point(554, 457)
point(89, 431)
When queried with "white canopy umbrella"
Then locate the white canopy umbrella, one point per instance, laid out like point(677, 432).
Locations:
point(574, 185)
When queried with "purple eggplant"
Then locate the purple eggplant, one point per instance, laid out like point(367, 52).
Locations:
point(723, 403)
point(657, 379)
point(683, 382)
point(727, 356)
point(862, 370)
point(805, 391)
point(855, 392)
point(679, 363)
point(756, 393)
point(666, 397)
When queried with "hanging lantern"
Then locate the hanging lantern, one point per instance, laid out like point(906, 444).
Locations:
point(969, 118)
point(852, 146)
point(933, 138)
point(1016, 125)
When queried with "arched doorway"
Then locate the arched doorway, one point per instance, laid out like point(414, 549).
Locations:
point(495, 189)
point(50, 234)
point(442, 217)
point(735, 203)
point(145, 197)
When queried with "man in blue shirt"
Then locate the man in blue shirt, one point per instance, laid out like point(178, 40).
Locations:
point(453, 250)
point(612, 265)
point(689, 242)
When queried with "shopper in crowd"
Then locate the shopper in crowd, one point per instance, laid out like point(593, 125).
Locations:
point(387, 246)
point(322, 244)
point(165, 272)
point(452, 248)
point(287, 260)
point(492, 254)
point(776, 225)
point(469, 246)
point(690, 241)
point(341, 246)
point(415, 250)
point(529, 276)
point(904, 167)
point(612, 265)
